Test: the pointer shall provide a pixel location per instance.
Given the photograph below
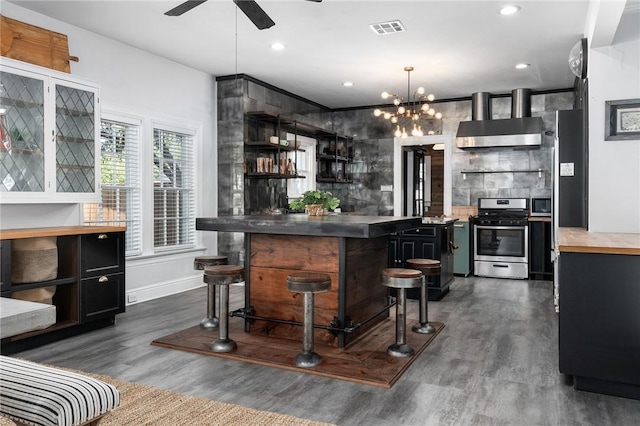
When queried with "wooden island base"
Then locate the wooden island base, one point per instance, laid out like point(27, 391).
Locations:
point(356, 299)
point(365, 361)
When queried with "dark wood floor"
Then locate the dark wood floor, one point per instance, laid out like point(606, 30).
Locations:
point(495, 362)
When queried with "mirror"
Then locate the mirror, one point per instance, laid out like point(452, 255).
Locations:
point(418, 168)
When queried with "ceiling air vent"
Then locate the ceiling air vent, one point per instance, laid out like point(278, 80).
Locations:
point(387, 27)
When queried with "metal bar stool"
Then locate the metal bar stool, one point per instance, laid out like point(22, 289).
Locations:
point(199, 263)
point(308, 283)
point(429, 268)
point(223, 276)
point(401, 279)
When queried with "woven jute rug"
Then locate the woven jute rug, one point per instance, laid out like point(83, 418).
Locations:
point(145, 405)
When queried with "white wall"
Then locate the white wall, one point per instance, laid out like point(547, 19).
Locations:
point(614, 166)
point(153, 87)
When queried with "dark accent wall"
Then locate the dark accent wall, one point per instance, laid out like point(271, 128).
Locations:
point(373, 152)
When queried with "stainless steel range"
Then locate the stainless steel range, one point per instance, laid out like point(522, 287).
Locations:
point(501, 238)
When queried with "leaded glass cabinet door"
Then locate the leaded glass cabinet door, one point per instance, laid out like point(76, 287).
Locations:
point(49, 136)
point(22, 148)
point(75, 137)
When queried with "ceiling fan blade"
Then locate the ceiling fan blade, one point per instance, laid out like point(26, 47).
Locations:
point(255, 13)
point(184, 7)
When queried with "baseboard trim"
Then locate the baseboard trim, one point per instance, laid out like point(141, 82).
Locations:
point(163, 289)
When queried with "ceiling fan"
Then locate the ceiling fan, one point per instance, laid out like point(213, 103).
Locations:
point(250, 8)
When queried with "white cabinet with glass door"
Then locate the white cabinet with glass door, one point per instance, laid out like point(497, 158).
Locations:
point(49, 149)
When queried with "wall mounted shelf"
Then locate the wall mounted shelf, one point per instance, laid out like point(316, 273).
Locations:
point(466, 172)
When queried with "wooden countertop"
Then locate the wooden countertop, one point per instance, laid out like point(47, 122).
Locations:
point(333, 225)
point(578, 240)
point(13, 234)
point(539, 219)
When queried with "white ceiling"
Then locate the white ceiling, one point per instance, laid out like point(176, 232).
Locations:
point(457, 47)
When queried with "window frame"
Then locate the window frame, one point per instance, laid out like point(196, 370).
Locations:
point(134, 234)
point(192, 133)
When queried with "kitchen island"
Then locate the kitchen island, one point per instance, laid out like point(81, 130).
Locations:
point(353, 250)
point(599, 301)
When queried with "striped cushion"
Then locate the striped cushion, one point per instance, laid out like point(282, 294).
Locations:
point(39, 395)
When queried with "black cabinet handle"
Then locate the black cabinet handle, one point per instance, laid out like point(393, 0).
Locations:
point(103, 279)
point(102, 236)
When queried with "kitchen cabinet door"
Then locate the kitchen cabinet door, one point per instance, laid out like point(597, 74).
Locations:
point(49, 150)
point(427, 242)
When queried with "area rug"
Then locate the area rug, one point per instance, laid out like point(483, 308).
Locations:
point(365, 361)
point(142, 405)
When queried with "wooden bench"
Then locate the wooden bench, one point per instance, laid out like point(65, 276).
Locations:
point(32, 393)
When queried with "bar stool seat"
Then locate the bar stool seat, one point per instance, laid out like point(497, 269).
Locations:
point(199, 263)
point(429, 268)
point(308, 283)
point(401, 279)
point(223, 276)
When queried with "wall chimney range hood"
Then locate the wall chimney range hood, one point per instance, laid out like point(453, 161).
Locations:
point(483, 132)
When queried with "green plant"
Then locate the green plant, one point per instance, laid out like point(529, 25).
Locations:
point(317, 196)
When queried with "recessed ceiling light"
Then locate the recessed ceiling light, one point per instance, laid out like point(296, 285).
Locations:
point(522, 66)
point(347, 84)
point(277, 46)
point(509, 10)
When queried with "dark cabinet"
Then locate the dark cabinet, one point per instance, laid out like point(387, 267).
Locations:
point(102, 287)
point(433, 241)
point(102, 253)
point(88, 288)
point(540, 265)
point(102, 296)
point(599, 332)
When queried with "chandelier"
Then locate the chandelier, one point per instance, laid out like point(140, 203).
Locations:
point(409, 110)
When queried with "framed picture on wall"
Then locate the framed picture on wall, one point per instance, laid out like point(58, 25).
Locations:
point(622, 120)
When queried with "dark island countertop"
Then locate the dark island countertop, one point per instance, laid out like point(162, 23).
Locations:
point(333, 225)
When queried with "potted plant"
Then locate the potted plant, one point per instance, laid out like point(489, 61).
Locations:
point(315, 202)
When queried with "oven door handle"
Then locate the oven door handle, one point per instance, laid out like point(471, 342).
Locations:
point(491, 227)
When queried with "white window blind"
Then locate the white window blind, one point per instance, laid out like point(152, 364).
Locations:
point(120, 179)
point(305, 160)
point(173, 190)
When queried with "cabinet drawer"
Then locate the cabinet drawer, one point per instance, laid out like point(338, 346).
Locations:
point(423, 231)
point(102, 296)
point(102, 253)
